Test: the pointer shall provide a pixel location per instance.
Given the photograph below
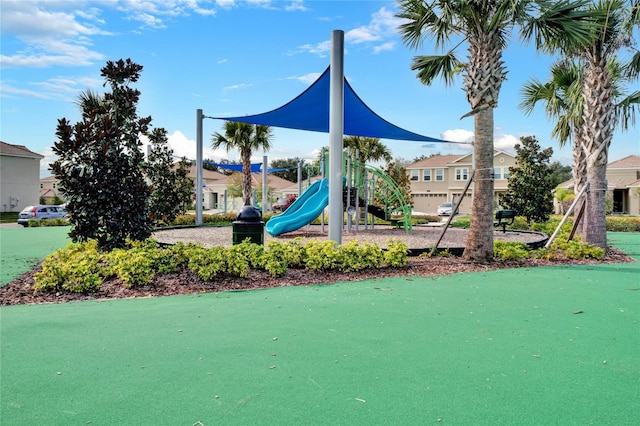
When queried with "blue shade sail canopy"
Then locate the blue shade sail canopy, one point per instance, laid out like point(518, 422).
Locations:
point(255, 167)
point(310, 111)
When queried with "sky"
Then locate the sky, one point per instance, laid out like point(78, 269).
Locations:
point(232, 58)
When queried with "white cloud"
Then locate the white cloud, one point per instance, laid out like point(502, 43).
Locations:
point(296, 6)
point(237, 86)
point(458, 135)
point(9, 91)
point(226, 4)
point(377, 32)
point(49, 157)
point(307, 78)
point(503, 142)
point(184, 147)
point(321, 49)
point(50, 37)
point(383, 24)
point(59, 33)
point(61, 87)
point(384, 47)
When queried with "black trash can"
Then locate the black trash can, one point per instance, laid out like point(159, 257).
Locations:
point(248, 224)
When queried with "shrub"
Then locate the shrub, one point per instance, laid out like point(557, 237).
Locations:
point(279, 256)
point(355, 257)
point(133, 267)
point(397, 254)
point(509, 250)
point(321, 255)
point(206, 263)
point(75, 268)
point(623, 223)
point(575, 249)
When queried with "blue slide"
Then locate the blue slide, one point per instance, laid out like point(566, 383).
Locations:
point(303, 211)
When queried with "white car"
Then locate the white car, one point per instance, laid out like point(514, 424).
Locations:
point(40, 212)
point(445, 209)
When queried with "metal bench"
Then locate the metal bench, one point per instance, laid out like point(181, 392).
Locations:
point(504, 218)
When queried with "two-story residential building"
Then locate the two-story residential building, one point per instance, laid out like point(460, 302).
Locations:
point(623, 185)
point(442, 178)
point(49, 189)
point(19, 177)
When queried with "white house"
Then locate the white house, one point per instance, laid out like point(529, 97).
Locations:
point(19, 177)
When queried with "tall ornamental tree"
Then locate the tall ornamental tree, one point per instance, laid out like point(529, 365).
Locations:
point(484, 27)
point(291, 166)
point(99, 162)
point(246, 138)
point(530, 182)
point(171, 187)
point(397, 170)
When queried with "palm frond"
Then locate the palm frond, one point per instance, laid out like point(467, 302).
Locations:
point(430, 67)
point(561, 25)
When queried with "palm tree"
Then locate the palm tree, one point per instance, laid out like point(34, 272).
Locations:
point(563, 97)
point(614, 22)
point(245, 138)
point(485, 27)
point(564, 102)
point(370, 149)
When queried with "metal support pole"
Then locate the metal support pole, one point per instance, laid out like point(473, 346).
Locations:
point(300, 178)
point(336, 132)
point(265, 204)
point(199, 192)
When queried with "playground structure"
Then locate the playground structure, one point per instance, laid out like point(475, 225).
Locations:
point(362, 186)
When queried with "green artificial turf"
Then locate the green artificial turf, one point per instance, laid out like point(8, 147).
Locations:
point(23, 248)
point(530, 346)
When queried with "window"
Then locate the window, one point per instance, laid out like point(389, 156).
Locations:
point(440, 175)
point(414, 174)
point(462, 174)
point(506, 173)
point(426, 175)
point(497, 173)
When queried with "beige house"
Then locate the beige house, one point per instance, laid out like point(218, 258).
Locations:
point(442, 178)
point(216, 195)
point(19, 177)
point(623, 181)
point(49, 189)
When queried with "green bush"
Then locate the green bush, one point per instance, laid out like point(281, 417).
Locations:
point(207, 263)
point(509, 250)
point(355, 257)
point(207, 219)
point(75, 268)
point(279, 256)
point(422, 219)
point(36, 223)
point(397, 254)
point(623, 223)
point(321, 255)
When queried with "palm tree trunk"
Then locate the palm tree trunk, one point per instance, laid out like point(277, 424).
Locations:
point(579, 171)
point(599, 120)
point(246, 177)
point(479, 246)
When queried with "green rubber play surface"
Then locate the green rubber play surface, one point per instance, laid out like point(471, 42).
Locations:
point(530, 346)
